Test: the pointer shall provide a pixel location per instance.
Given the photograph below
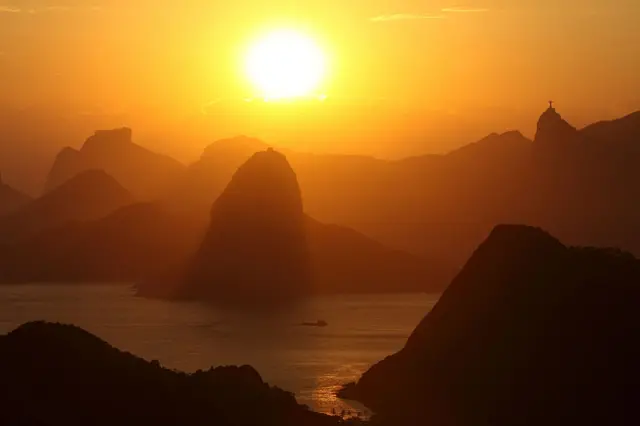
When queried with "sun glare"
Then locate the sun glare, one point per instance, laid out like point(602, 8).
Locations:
point(285, 64)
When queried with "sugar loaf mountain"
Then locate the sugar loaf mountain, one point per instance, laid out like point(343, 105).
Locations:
point(261, 246)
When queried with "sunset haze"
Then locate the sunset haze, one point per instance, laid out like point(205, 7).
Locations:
point(403, 78)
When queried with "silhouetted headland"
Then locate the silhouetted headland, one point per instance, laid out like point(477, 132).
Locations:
point(530, 332)
point(61, 375)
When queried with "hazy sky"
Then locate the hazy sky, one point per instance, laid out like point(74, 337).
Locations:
point(399, 70)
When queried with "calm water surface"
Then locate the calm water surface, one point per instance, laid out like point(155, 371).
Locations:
point(312, 362)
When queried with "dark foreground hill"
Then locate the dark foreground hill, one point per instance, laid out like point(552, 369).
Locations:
point(60, 375)
point(530, 333)
point(261, 248)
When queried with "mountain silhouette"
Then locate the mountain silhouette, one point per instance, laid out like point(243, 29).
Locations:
point(256, 246)
point(11, 199)
point(583, 186)
point(146, 174)
point(210, 175)
point(553, 131)
point(262, 248)
point(577, 183)
point(324, 179)
point(622, 132)
point(87, 196)
point(61, 375)
point(530, 332)
point(413, 204)
point(129, 245)
point(346, 261)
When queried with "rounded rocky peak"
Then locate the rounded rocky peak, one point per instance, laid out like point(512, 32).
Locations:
point(255, 253)
point(550, 112)
point(266, 174)
point(549, 117)
point(507, 236)
point(264, 186)
point(44, 333)
point(269, 156)
point(551, 126)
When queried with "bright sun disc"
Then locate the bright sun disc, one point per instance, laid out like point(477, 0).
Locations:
point(285, 64)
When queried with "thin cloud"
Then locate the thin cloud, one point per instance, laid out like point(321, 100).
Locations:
point(404, 17)
point(50, 9)
point(459, 9)
point(53, 8)
point(9, 9)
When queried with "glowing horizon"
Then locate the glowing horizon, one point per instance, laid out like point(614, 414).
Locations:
point(399, 79)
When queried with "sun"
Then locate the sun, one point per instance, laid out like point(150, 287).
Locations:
point(285, 64)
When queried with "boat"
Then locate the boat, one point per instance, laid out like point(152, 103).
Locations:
point(319, 323)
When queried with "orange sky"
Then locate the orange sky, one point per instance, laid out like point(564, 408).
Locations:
point(406, 77)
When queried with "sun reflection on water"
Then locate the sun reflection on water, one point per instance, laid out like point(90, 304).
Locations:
point(327, 387)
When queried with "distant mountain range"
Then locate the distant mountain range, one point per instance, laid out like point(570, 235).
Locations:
point(581, 185)
point(146, 174)
point(87, 196)
point(259, 244)
point(11, 199)
point(128, 244)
